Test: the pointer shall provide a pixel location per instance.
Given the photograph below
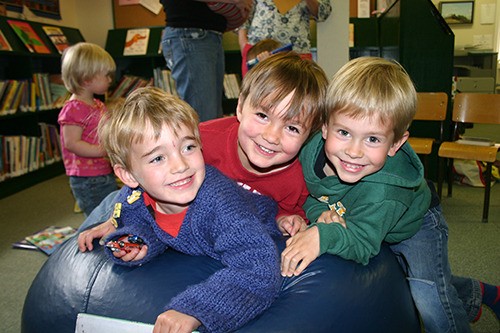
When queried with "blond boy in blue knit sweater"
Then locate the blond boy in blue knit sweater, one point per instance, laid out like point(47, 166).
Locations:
point(171, 199)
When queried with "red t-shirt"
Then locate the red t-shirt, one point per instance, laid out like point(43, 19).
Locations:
point(170, 223)
point(287, 187)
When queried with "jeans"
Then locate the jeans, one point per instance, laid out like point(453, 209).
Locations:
point(446, 303)
point(89, 191)
point(196, 60)
point(101, 213)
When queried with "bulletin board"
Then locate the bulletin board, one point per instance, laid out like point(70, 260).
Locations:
point(134, 16)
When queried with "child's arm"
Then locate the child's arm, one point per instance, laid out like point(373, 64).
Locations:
point(331, 216)
point(248, 282)
point(174, 321)
point(300, 251)
point(291, 224)
point(85, 238)
point(74, 143)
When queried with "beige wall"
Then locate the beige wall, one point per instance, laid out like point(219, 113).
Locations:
point(95, 17)
point(477, 33)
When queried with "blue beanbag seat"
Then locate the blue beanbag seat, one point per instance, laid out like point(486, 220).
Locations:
point(332, 295)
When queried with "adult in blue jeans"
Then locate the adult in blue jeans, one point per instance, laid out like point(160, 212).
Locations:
point(192, 47)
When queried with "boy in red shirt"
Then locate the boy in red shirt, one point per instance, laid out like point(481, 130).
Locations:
point(280, 106)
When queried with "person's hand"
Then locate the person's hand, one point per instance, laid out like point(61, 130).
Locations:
point(173, 321)
point(291, 224)
point(263, 55)
point(244, 6)
point(300, 251)
point(331, 216)
point(135, 253)
point(86, 237)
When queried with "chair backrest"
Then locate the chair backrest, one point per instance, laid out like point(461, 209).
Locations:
point(431, 106)
point(476, 108)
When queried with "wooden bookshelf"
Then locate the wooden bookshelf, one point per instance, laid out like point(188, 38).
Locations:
point(19, 65)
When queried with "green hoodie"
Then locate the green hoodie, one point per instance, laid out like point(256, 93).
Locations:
point(388, 205)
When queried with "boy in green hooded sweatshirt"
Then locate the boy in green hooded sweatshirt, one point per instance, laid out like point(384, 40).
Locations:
point(366, 187)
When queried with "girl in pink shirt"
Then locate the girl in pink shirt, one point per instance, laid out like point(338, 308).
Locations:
point(87, 69)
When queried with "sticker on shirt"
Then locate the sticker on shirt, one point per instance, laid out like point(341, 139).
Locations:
point(337, 206)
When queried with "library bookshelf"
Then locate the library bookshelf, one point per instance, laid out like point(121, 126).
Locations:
point(147, 66)
point(29, 137)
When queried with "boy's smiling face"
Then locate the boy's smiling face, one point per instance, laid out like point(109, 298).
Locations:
point(266, 141)
point(357, 148)
point(170, 169)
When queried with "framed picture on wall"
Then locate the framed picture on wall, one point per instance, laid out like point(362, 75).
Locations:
point(457, 12)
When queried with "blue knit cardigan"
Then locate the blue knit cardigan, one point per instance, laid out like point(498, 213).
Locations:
point(224, 222)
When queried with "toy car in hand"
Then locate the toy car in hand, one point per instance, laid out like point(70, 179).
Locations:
point(126, 244)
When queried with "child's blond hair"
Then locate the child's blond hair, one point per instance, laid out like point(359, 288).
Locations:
point(144, 109)
point(375, 88)
point(271, 80)
point(82, 62)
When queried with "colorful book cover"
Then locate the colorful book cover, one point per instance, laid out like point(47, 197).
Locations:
point(29, 37)
point(57, 37)
point(4, 43)
point(49, 238)
point(136, 42)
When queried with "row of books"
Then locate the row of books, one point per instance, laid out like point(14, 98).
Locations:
point(127, 84)
point(231, 86)
point(43, 92)
point(32, 40)
point(162, 78)
point(20, 154)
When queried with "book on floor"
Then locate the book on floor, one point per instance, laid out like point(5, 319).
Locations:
point(48, 239)
point(24, 245)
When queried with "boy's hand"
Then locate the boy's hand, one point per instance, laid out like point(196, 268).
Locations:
point(291, 224)
point(174, 321)
point(85, 238)
point(331, 216)
point(300, 251)
point(132, 253)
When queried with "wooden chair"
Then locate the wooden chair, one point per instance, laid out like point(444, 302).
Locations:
point(432, 106)
point(475, 109)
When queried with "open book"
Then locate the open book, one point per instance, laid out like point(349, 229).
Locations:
point(49, 238)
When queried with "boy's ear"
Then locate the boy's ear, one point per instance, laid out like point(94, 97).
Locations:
point(239, 108)
point(125, 176)
point(324, 131)
point(396, 145)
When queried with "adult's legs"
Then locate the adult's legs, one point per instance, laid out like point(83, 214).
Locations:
point(196, 59)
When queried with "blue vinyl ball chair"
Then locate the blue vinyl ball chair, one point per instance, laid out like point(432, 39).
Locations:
point(332, 295)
